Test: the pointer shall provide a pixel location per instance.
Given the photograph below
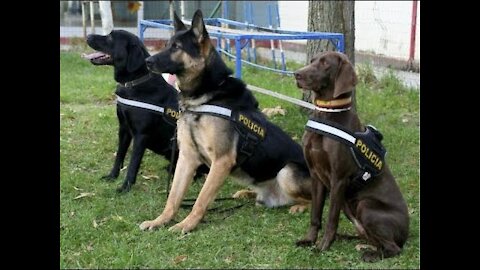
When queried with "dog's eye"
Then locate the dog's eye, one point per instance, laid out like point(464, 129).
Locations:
point(324, 64)
point(175, 46)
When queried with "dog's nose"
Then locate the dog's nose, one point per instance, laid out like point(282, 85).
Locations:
point(297, 75)
point(89, 38)
point(149, 62)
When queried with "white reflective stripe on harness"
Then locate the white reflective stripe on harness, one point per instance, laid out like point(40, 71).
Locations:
point(332, 130)
point(140, 104)
point(211, 109)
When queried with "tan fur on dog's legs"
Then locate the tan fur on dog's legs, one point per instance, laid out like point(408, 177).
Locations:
point(181, 181)
point(218, 172)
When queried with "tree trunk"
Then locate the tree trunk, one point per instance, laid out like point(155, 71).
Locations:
point(106, 16)
point(331, 16)
point(171, 9)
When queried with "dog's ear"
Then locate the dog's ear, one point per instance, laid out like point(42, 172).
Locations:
point(198, 26)
point(136, 57)
point(177, 23)
point(346, 78)
point(120, 54)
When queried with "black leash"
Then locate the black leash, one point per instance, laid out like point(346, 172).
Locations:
point(186, 205)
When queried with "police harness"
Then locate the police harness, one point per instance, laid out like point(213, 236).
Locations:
point(251, 128)
point(169, 113)
point(366, 149)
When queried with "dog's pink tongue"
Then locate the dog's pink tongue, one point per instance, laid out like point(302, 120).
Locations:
point(92, 55)
point(171, 79)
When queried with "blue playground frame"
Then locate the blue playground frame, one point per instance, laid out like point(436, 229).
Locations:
point(242, 39)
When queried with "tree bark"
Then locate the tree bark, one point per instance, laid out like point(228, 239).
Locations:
point(106, 16)
point(171, 9)
point(331, 16)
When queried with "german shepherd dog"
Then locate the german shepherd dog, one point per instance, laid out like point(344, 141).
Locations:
point(276, 171)
point(149, 129)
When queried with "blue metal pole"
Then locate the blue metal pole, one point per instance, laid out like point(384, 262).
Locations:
point(253, 41)
point(341, 44)
point(219, 39)
point(225, 16)
point(272, 47)
point(219, 45)
point(284, 67)
point(246, 11)
point(141, 29)
point(238, 59)
point(227, 45)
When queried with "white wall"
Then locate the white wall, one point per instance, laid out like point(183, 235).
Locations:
point(382, 27)
point(293, 15)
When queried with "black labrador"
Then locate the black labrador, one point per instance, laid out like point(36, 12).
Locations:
point(147, 106)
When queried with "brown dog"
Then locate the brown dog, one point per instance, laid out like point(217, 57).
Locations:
point(377, 209)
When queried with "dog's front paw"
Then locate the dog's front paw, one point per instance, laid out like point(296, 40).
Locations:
point(371, 256)
point(325, 243)
point(183, 227)
point(149, 225)
point(109, 177)
point(124, 188)
point(159, 221)
point(304, 243)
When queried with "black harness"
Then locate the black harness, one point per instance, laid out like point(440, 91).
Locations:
point(169, 113)
point(250, 127)
point(366, 149)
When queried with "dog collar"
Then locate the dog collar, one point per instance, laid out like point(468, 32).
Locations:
point(335, 105)
point(331, 110)
point(135, 82)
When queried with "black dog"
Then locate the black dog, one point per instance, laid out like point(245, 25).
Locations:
point(221, 126)
point(148, 127)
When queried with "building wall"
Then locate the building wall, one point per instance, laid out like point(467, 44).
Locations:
point(381, 27)
point(236, 10)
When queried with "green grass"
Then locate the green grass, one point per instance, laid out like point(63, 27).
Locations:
point(101, 231)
